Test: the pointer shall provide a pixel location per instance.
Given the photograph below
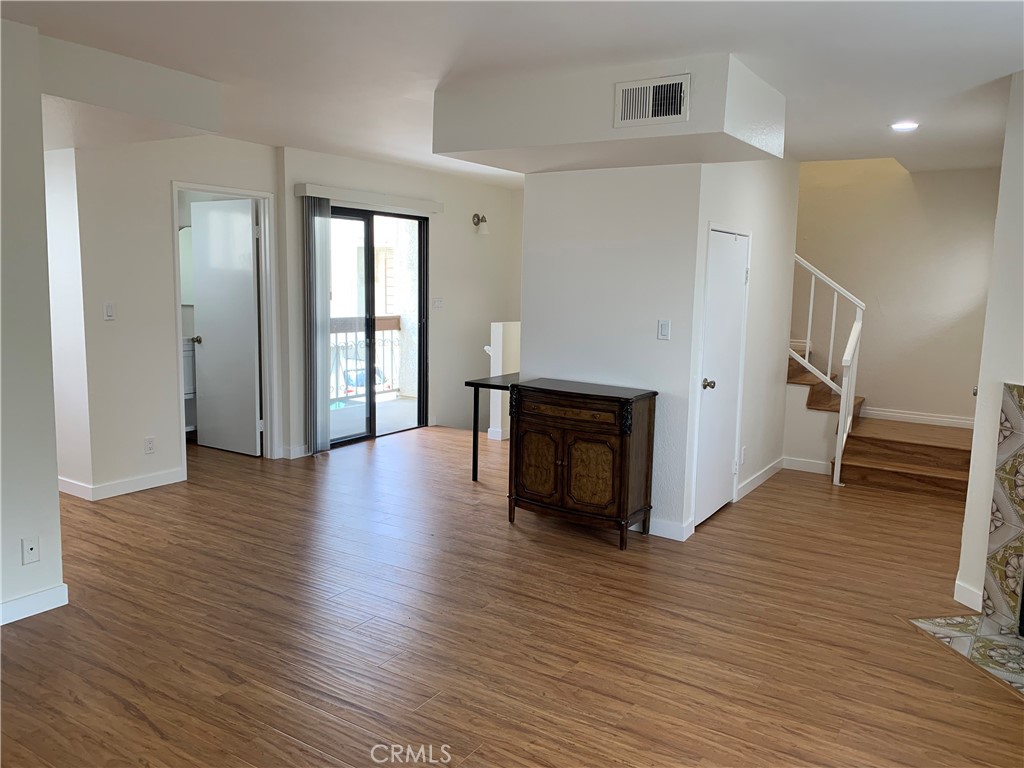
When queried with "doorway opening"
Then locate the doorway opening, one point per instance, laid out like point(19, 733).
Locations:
point(377, 331)
point(225, 291)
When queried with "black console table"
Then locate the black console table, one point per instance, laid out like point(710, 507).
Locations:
point(491, 382)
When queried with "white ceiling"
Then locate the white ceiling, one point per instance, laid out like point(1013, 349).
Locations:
point(358, 78)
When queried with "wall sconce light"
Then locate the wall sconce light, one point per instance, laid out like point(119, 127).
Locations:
point(480, 222)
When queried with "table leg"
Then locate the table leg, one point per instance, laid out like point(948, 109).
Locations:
point(476, 429)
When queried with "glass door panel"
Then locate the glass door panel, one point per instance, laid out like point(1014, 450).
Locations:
point(397, 316)
point(351, 399)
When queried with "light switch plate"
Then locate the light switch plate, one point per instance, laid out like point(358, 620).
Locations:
point(109, 311)
point(30, 550)
point(664, 330)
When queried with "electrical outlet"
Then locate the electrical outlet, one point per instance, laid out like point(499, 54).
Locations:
point(743, 455)
point(149, 445)
point(30, 550)
point(437, 303)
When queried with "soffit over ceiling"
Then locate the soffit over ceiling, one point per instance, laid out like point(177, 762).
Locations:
point(359, 78)
point(69, 124)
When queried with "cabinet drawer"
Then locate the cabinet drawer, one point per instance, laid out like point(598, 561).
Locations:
point(590, 414)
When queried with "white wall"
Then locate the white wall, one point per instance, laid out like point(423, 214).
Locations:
point(476, 276)
point(915, 248)
point(1002, 353)
point(127, 240)
point(28, 486)
point(759, 198)
point(70, 378)
point(606, 254)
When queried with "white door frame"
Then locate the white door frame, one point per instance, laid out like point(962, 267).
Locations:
point(270, 362)
point(696, 357)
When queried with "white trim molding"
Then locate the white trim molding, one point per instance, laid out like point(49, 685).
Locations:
point(120, 487)
point(498, 434)
point(271, 373)
point(296, 451)
point(807, 465)
point(914, 417)
point(748, 485)
point(670, 529)
point(375, 200)
point(29, 605)
point(967, 595)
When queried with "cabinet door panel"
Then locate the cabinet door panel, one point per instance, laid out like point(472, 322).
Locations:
point(538, 462)
point(592, 473)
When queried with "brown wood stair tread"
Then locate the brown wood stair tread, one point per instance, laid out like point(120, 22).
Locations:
point(957, 438)
point(806, 378)
point(887, 465)
point(832, 403)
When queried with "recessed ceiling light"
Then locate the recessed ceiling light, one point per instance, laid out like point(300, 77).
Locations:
point(904, 126)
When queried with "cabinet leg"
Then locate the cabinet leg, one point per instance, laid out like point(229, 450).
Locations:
point(647, 522)
point(623, 530)
point(511, 511)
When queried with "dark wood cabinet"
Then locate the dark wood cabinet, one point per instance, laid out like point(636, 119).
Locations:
point(582, 450)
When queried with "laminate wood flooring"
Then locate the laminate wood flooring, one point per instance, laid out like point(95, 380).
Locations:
point(298, 613)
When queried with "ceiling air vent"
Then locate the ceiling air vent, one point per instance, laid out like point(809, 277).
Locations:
point(649, 102)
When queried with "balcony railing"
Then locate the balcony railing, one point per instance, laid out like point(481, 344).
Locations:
point(348, 357)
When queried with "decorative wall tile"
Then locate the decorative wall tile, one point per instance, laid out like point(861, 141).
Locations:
point(1013, 488)
point(1013, 464)
point(1005, 577)
point(1016, 395)
point(1007, 505)
point(1012, 416)
point(1010, 442)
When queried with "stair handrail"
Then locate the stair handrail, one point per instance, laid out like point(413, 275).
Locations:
point(828, 280)
point(847, 398)
point(851, 355)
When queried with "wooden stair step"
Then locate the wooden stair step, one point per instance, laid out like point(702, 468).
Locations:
point(805, 377)
point(901, 442)
point(957, 438)
point(898, 476)
point(831, 401)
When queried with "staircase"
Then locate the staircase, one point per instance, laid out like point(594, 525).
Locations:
point(894, 455)
point(900, 456)
point(820, 396)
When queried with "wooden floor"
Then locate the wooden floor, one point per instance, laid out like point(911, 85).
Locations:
point(298, 613)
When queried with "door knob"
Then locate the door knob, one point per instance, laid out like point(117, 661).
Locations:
point(199, 340)
point(706, 384)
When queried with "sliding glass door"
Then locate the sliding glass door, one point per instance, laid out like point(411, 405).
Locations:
point(377, 325)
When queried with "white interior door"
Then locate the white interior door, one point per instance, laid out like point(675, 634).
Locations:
point(724, 298)
point(227, 321)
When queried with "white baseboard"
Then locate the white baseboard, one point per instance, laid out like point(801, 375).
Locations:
point(669, 529)
point(498, 434)
point(748, 485)
point(75, 488)
point(120, 487)
point(967, 595)
point(914, 417)
point(296, 451)
point(30, 605)
point(807, 465)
